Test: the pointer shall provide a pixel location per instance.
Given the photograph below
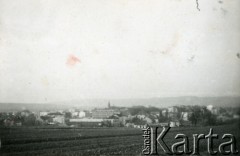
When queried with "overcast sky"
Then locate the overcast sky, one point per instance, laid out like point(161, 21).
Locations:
point(74, 49)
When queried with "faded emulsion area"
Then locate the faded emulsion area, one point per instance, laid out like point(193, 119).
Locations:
point(95, 77)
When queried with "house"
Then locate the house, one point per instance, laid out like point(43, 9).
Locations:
point(236, 116)
point(155, 113)
point(154, 118)
point(25, 113)
point(75, 114)
point(141, 116)
point(59, 119)
point(213, 110)
point(102, 113)
point(43, 113)
point(82, 114)
point(130, 125)
point(185, 116)
point(86, 122)
point(148, 120)
point(174, 123)
point(172, 112)
point(161, 124)
point(51, 123)
point(164, 113)
point(210, 108)
point(172, 109)
point(53, 114)
point(164, 124)
point(139, 126)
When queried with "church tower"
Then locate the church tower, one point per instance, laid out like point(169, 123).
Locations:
point(109, 105)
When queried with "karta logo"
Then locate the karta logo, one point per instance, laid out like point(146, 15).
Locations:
point(153, 141)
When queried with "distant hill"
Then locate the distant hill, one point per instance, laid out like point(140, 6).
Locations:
point(4, 107)
point(169, 101)
point(156, 102)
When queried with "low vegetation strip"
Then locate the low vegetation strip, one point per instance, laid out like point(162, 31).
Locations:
point(95, 141)
point(27, 141)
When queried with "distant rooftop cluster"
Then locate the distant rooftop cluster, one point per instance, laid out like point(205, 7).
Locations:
point(113, 116)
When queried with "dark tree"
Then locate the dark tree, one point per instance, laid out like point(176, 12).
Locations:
point(29, 120)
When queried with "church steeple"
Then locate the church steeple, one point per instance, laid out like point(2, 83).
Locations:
point(109, 105)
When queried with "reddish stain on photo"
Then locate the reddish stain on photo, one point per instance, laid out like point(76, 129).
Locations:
point(72, 60)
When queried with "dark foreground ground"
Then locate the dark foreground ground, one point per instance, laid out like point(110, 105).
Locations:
point(52, 141)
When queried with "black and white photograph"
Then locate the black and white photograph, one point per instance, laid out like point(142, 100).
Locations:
point(119, 77)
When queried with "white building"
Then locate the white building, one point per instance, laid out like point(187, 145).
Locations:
point(75, 114)
point(236, 116)
point(141, 116)
point(210, 108)
point(174, 124)
point(185, 116)
point(86, 120)
point(148, 120)
point(172, 110)
point(59, 119)
point(43, 113)
point(82, 114)
point(164, 113)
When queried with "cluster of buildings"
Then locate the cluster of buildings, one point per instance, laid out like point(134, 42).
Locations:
point(112, 116)
point(224, 114)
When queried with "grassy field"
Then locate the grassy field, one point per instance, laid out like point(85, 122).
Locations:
point(94, 141)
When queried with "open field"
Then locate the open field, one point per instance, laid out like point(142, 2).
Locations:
point(94, 141)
